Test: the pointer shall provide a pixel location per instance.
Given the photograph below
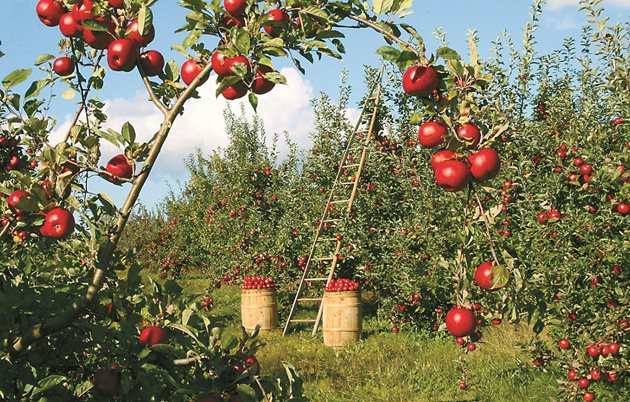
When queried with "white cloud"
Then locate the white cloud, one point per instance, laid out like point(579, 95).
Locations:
point(559, 4)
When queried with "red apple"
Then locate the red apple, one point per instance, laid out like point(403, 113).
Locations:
point(230, 62)
point(219, 63)
point(133, 33)
point(276, 21)
point(483, 276)
point(49, 12)
point(69, 26)
point(152, 336)
point(63, 66)
point(83, 10)
point(484, 164)
point(262, 85)
point(235, 7)
point(14, 199)
point(420, 81)
point(593, 351)
point(564, 344)
point(190, 70)
point(235, 91)
point(469, 133)
point(122, 55)
point(623, 208)
point(58, 224)
point(440, 156)
point(100, 39)
point(117, 3)
point(460, 321)
point(432, 133)
point(152, 62)
point(120, 166)
point(452, 175)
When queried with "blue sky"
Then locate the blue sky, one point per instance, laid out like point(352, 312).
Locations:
point(23, 38)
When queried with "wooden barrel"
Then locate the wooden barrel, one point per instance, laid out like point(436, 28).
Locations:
point(259, 306)
point(342, 318)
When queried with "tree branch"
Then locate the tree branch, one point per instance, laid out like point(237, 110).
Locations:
point(404, 45)
point(151, 92)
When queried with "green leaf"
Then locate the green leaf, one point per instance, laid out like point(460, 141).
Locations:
point(500, 276)
point(253, 100)
point(43, 59)
point(128, 133)
point(36, 88)
point(315, 11)
point(47, 383)
point(389, 53)
point(186, 314)
point(448, 54)
point(145, 20)
point(93, 25)
point(242, 41)
point(15, 78)
point(108, 204)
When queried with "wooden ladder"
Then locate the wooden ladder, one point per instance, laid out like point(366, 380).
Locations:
point(338, 197)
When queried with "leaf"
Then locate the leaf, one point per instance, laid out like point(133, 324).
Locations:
point(15, 78)
point(36, 87)
point(315, 11)
point(389, 53)
point(128, 133)
point(108, 204)
point(242, 41)
point(47, 383)
point(68, 94)
point(186, 314)
point(145, 20)
point(253, 100)
point(43, 59)
point(448, 54)
point(93, 25)
point(500, 276)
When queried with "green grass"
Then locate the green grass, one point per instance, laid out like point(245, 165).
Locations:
point(398, 367)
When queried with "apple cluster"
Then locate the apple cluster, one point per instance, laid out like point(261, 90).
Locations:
point(104, 28)
point(342, 285)
point(549, 217)
point(257, 282)
point(453, 172)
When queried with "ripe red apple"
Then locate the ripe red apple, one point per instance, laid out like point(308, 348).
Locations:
point(583, 382)
point(613, 348)
point(190, 70)
point(235, 91)
point(233, 21)
point(623, 208)
point(107, 382)
point(152, 336)
point(69, 26)
point(152, 62)
point(564, 344)
point(588, 396)
point(432, 133)
point(120, 166)
point(14, 199)
point(542, 217)
point(470, 133)
point(262, 85)
point(483, 276)
point(122, 55)
point(117, 3)
point(484, 164)
point(276, 21)
point(230, 62)
point(452, 175)
point(572, 375)
point(83, 10)
point(440, 156)
point(593, 351)
point(58, 224)
point(420, 81)
point(49, 12)
point(63, 66)
point(219, 63)
point(133, 33)
point(460, 321)
point(100, 39)
point(235, 7)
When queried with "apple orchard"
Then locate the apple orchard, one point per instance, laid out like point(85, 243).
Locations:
point(495, 193)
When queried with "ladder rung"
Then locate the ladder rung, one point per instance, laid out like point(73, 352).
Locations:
point(310, 299)
point(298, 321)
point(326, 259)
point(331, 220)
point(329, 239)
point(339, 201)
point(351, 165)
point(315, 279)
point(346, 183)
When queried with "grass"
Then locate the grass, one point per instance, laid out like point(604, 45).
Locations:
point(398, 367)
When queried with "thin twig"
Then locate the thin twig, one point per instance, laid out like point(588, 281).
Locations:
point(158, 103)
point(388, 35)
point(4, 231)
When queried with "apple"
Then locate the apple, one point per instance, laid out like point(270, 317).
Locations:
point(49, 12)
point(58, 224)
point(120, 166)
point(14, 199)
point(107, 382)
point(483, 276)
point(190, 70)
point(152, 336)
point(235, 7)
point(542, 217)
point(588, 396)
point(117, 3)
point(420, 81)
point(233, 21)
point(440, 156)
point(63, 66)
point(460, 321)
point(596, 375)
point(232, 61)
point(593, 351)
point(133, 33)
point(564, 344)
point(432, 133)
point(613, 348)
point(572, 375)
point(261, 85)
point(583, 382)
point(452, 175)
point(469, 133)
point(122, 55)
point(623, 208)
point(276, 21)
point(69, 26)
point(152, 62)
point(100, 39)
point(235, 91)
point(484, 164)
point(219, 63)
point(83, 10)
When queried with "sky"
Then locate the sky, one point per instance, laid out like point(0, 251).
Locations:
point(286, 108)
